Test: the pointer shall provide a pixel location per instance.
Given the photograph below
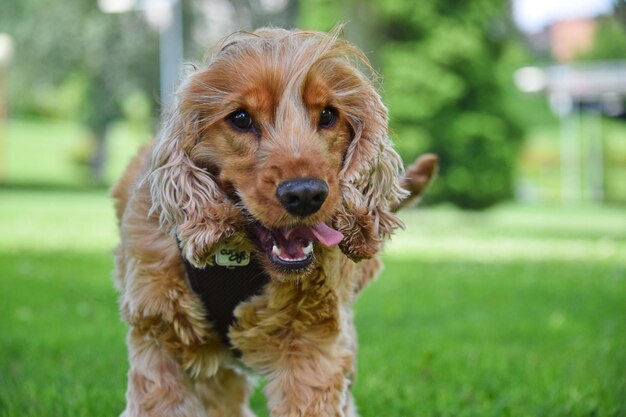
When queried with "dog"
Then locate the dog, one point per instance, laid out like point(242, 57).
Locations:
point(251, 225)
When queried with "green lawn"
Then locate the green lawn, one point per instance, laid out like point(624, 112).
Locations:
point(41, 153)
point(519, 311)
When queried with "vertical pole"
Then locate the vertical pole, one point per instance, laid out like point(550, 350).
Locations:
point(569, 122)
point(595, 158)
point(575, 163)
point(6, 53)
point(171, 54)
point(570, 156)
point(564, 122)
point(4, 151)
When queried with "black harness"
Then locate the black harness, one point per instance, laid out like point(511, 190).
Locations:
point(223, 288)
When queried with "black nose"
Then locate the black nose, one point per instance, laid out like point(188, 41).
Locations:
point(302, 196)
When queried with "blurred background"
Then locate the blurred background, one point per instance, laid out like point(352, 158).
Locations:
point(94, 75)
point(508, 285)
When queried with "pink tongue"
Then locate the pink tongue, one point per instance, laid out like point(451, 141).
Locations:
point(324, 234)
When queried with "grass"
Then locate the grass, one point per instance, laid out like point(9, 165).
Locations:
point(515, 312)
point(503, 339)
point(61, 346)
point(55, 153)
point(37, 151)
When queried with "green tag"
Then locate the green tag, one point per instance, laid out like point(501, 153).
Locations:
point(231, 257)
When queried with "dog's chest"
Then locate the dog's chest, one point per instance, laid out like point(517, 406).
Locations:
point(225, 285)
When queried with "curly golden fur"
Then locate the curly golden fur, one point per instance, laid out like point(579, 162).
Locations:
point(268, 107)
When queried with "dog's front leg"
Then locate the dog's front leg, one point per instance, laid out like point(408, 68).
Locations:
point(297, 337)
point(157, 384)
point(308, 383)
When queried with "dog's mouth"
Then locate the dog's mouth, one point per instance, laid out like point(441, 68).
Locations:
point(293, 249)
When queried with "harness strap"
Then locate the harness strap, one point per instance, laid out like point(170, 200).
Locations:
point(222, 289)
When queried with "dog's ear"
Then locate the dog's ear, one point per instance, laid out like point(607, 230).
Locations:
point(370, 181)
point(417, 178)
point(188, 201)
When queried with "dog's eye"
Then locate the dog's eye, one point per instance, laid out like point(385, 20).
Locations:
point(328, 117)
point(241, 120)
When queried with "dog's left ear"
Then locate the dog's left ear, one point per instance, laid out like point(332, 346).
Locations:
point(370, 181)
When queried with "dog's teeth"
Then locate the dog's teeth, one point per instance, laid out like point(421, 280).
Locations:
point(294, 259)
point(308, 249)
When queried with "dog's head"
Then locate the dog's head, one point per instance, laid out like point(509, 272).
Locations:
point(282, 135)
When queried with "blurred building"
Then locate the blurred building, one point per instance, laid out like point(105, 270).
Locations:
point(570, 38)
point(576, 89)
point(563, 40)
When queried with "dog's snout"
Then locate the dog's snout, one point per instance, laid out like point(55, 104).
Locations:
point(302, 196)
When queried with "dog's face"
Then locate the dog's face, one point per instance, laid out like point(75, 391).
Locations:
point(278, 149)
point(274, 120)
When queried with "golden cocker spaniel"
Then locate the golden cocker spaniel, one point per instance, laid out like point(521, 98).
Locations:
point(250, 226)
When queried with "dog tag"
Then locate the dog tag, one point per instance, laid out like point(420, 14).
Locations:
point(231, 257)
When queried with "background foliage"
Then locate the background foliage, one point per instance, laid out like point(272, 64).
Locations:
point(445, 66)
point(446, 69)
point(446, 72)
point(73, 61)
point(446, 77)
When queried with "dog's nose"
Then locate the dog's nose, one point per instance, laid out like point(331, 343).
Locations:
point(302, 196)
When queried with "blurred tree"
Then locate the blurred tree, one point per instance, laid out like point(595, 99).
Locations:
point(447, 73)
point(75, 61)
point(620, 11)
point(121, 60)
point(446, 66)
point(610, 38)
point(72, 60)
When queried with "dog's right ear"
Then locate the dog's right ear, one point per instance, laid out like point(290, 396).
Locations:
point(188, 201)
